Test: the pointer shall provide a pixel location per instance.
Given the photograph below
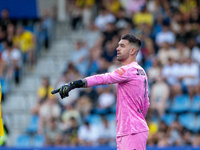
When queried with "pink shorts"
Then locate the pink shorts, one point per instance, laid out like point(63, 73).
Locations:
point(133, 142)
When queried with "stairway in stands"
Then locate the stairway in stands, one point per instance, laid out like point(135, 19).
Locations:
point(19, 102)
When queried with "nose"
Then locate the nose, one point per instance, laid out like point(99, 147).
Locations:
point(117, 49)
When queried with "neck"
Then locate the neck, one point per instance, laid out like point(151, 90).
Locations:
point(128, 61)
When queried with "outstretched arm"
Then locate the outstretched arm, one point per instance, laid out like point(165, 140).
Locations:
point(120, 75)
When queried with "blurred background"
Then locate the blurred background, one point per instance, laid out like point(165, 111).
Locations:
point(47, 43)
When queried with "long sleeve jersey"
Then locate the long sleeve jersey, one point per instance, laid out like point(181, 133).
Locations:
point(132, 97)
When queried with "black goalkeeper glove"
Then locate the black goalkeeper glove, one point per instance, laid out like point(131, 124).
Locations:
point(65, 89)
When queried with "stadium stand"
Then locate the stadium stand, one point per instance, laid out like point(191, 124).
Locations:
point(85, 45)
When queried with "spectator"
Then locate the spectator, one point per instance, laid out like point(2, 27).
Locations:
point(25, 41)
point(68, 113)
point(53, 134)
point(105, 100)
point(104, 18)
point(155, 71)
point(44, 92)
point(165, 52)
point(5, 20)
point(11, 63)
point(166, 35)
point(135, 6)
point(182, 51)
point(171, 72)
point(88, 134)
point(50, 109)
point(84, 105)
point(107, 132)
point(71, 134)
point(175, 134)
point(160, 93)
point(79, 58)
point(189, 77)
point(143, 17)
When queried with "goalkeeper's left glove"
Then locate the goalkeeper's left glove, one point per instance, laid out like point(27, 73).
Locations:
point(65, 89)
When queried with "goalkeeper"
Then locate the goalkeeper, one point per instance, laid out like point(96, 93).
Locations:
point(132, 94)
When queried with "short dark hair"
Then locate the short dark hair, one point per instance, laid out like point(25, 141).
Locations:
point(132, 39)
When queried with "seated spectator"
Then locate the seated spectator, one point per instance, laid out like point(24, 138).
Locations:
point(5, 20)
point(160, 138)
point(189, 76)
point(104, 18)
point(53, 134)
point(166, 35)
point(71, 134)
point(44, 92)
point(70, 112)
point(165, 52)
point(182, 52)
point(79, 58)
point(109, 52)
point(134, 6)
point(88, 134)
point(105, 100)
point(25, 41)
point(84, 105)
point(107, 132)
point(50, 109)
point(11, 63)
point(160, 93)
point(154, 71)
point(113, 6)
point(170, 73)
point(175, 134)
point(122, 20)
point(195, 54)
point(143, 17)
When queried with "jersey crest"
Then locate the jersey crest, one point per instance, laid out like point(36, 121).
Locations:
point(120, 71)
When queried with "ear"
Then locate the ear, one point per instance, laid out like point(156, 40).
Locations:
point(132, 51)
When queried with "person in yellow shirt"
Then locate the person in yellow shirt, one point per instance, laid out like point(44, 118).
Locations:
point(25, 41)
point(43, 93)
point(113, 6)
point(143, 17)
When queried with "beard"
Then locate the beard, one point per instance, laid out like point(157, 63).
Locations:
point(121, 58)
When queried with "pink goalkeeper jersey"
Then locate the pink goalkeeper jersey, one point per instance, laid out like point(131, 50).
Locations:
point(132, 97)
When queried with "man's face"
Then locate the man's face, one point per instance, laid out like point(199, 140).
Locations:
point(123, 50)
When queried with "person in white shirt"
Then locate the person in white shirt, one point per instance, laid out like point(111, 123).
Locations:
point(103, 18)
point(189, 76)
point(165, 36)
point(88, 134)
point(12, 62)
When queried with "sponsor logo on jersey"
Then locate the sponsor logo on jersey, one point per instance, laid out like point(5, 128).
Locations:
point(120, 71)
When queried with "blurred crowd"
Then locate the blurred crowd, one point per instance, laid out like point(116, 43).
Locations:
point(21, 41)
point(170, 55)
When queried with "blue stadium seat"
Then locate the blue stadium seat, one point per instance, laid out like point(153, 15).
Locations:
point(180, 104)
point(169, 118)
point(94, 119)
point(195, 106)
point(38, 141)
point(111, 117)
point(23, 141)
point(4, 85)
point(33, 124)
point(189, 121)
